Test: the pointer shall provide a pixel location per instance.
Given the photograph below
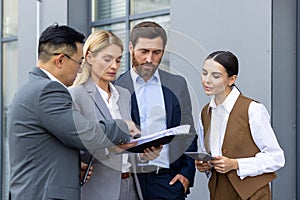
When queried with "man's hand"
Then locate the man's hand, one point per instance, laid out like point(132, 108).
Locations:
point(122, 147)
point(82, 171)
point(133, 130)
point(202, 166)
point(184, 181)
point(151, 153)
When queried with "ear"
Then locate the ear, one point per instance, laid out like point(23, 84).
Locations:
point(59, 60)
point(232, 80)
point(88, 58)
point(130, 47)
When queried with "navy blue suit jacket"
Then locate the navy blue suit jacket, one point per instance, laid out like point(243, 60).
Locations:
point(179, 112)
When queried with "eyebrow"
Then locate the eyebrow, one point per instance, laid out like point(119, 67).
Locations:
point(212, 72)
point(111, 56)
point(149, 49)
point(217, 73)
point(107, 55)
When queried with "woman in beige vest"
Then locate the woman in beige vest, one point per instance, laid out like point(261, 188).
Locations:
point(236, 131)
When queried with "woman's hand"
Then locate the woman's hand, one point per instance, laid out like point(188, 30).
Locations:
point(223, 164)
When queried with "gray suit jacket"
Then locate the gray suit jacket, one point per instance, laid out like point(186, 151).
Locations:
point(45, 136)
point(106, 179)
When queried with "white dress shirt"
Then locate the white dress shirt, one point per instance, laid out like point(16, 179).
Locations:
point(152, 111)
point(52, 78)
point(271, 156)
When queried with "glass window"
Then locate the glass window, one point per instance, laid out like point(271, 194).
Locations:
point(142, 6)
point(10, 71)
point(10, 18)
point(105, 9)
point(111, 15)
point(119, 30)
point(164, 21)
point(10, 77)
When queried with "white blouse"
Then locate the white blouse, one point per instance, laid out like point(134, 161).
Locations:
point(113, 107)
point(271, 156)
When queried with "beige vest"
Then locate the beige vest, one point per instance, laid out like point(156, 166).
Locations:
point(238, 143)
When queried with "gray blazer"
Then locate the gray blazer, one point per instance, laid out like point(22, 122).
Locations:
point(45, 136)
point(106, 179)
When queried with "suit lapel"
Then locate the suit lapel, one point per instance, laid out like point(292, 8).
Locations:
point(171, 103)
point(126, 81)
point(135, 114)
point(168, 104)
point(123, 104)
point(168, 98)
point(98, 100)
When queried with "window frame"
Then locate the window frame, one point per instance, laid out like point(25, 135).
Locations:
point(126, 19)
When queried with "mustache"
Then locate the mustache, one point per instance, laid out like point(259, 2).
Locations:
point(148, 64)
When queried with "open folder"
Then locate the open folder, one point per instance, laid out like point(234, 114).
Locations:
point(161, 137)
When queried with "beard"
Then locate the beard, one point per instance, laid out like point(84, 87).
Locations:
point(144, 69)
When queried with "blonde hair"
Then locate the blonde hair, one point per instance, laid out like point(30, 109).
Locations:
point(96, 42)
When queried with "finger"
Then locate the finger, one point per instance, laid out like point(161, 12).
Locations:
point(198, 162)
point(174, 180)
point(211, 164)
point(127, 145)
point(149, 156)
point(83, 165)
point(153, 155)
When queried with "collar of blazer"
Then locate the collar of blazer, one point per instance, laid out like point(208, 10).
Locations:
point(95, 95)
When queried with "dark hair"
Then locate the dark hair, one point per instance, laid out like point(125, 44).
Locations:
point(55, 37)
point(227, 59)
point(147, 29)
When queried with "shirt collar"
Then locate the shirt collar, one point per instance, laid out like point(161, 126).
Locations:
point(113, 90)
point(137, 78)
point(52, 78)
point(229, 102)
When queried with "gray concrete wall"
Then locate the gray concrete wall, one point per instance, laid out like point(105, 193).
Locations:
point(245, 28)
point(27, 33)
point(34, 17)
point(260, 32)
point(284, 93)
point(78, 16)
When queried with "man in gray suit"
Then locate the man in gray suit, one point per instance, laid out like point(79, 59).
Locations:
point(45, 133)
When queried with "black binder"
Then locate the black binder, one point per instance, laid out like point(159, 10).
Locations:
point(186, 138)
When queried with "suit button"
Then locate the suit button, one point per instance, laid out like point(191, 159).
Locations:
point(224, 151)
point(122, 141)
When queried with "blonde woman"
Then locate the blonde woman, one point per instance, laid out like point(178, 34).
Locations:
point(97, 99)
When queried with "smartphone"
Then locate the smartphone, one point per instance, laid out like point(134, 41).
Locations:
point(200, 156)
point(86, 173)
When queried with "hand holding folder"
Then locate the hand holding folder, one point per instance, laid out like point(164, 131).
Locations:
point(160, 138)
